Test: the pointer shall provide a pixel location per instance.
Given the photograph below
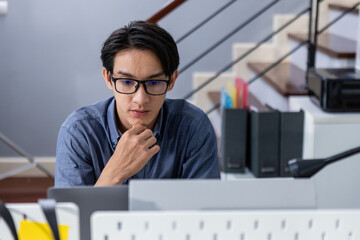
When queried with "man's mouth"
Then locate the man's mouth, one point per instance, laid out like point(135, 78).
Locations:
point(139, 112)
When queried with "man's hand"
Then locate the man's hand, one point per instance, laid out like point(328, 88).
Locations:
point(133, 151)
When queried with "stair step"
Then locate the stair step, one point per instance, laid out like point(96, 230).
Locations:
point(330, 44)
point(343, 7)
point(214, 97)
point(346, 25)
point(286, 78)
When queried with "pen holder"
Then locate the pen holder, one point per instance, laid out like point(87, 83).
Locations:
point(234, 131)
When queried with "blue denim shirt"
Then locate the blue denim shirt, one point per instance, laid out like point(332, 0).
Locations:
point(88, 137)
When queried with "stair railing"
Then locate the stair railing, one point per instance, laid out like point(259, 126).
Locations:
point(237, 29)
point(194, 29)
point(267, 38)
point(32, 163)
point(312, 44)
point(216, 106)
point(169, 7)
point(227, 36)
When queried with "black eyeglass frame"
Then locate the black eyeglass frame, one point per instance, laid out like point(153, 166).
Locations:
point(143, 82)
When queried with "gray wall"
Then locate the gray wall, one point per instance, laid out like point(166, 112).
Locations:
point(49, 55)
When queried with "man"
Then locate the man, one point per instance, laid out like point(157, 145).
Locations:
point(137, 133)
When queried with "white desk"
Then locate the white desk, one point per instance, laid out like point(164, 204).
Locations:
point(226, 225)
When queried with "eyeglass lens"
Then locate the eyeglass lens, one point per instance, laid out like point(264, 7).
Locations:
point(151, 87)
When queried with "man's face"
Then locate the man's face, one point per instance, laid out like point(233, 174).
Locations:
point(138, 108)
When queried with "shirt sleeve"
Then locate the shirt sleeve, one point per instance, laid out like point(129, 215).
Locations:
point(73, 165)
point(201, 155)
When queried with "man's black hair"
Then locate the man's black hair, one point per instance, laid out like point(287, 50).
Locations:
point(143, 36)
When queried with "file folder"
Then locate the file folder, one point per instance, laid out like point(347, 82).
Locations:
point(291, 139)
point(234, 128)
point(264, 141)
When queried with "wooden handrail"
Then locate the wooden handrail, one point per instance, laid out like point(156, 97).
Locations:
point(169, 7)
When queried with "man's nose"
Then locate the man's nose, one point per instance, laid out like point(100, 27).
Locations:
point(140, 96)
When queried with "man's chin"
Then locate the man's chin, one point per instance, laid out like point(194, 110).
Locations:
point(140, 123)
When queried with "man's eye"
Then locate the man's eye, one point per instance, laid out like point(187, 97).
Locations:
point(127, 82)
point(153, 83)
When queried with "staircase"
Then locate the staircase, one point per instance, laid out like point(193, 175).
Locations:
point(336, 49)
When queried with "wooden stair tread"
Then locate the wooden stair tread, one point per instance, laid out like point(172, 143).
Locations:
point(332, 45)
point(24, 189)
point(343, 7)
point(285, 78)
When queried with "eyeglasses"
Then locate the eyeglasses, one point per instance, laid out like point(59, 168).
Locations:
point(129, 86)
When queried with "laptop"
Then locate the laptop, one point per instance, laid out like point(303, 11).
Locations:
point(197, 194)
point(90, 199)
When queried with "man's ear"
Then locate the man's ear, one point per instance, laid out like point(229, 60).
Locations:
point(174, 76)
point(107, 79)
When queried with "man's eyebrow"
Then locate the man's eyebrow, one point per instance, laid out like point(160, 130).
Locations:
point(126, 74)
point(156, 75)
point(132, 76)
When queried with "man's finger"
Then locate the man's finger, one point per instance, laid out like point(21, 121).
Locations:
point(155, 149)
point(146, 134)
point(150, 142)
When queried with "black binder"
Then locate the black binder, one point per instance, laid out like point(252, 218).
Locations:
point(234, 132)
point(264, 141)
point(291, 139)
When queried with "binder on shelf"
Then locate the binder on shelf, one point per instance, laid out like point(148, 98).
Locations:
point(291, 139)
point(234, 128)
point(264, 143)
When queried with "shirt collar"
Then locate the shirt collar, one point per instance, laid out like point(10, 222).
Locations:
point(111, 118)
point(158, 124)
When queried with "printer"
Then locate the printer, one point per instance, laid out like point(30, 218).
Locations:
point(335, 89)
